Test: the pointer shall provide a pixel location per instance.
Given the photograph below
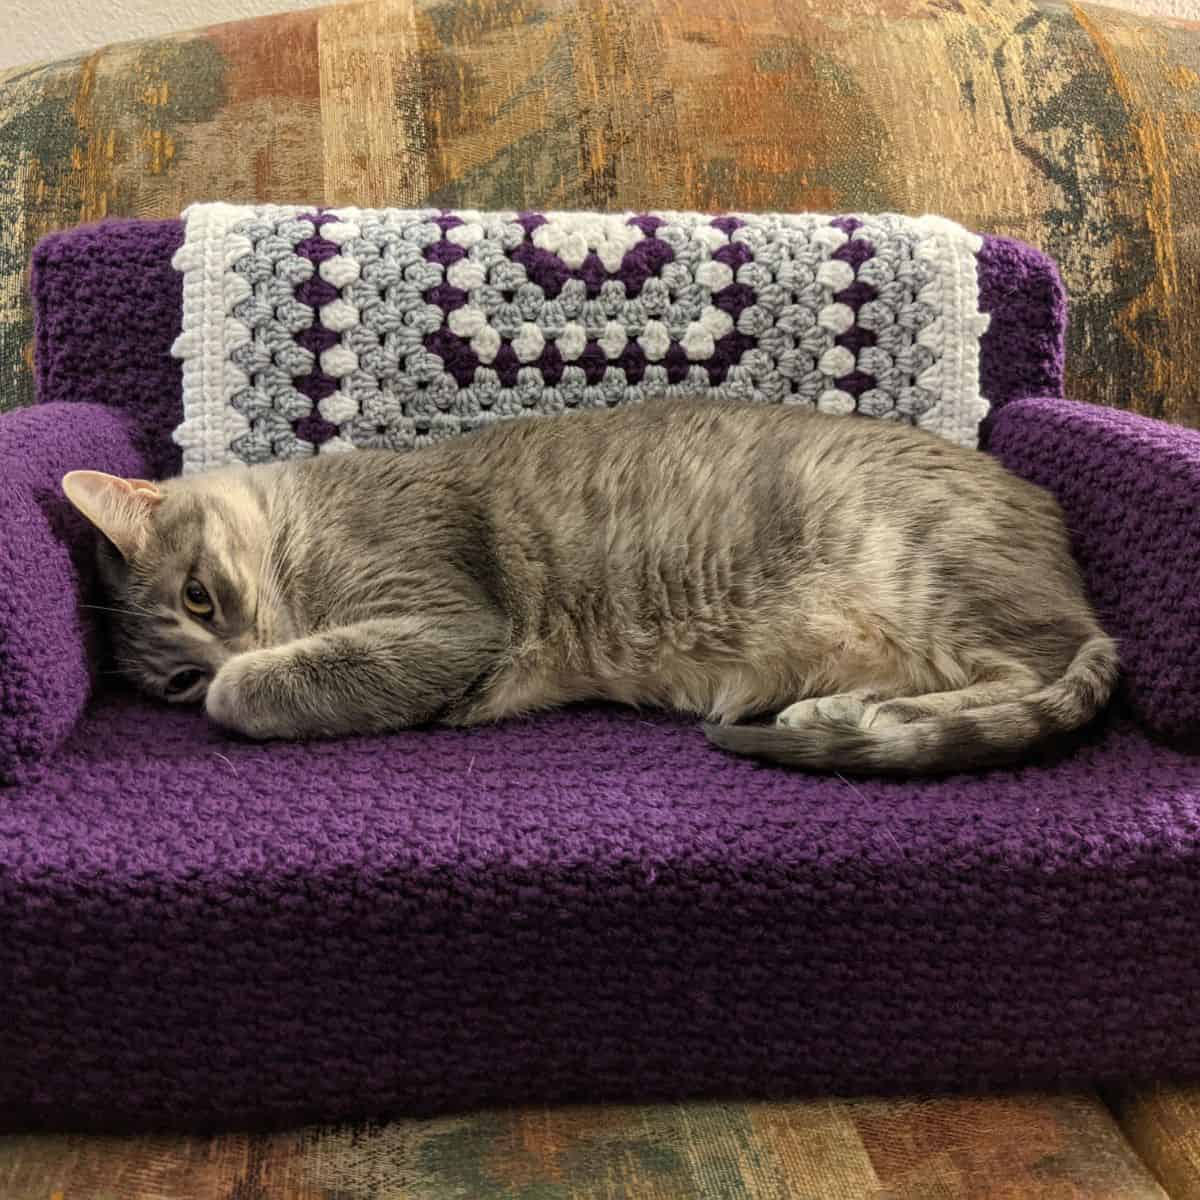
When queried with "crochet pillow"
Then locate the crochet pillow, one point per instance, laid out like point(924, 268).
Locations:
point(47, 560)
point(311, 331)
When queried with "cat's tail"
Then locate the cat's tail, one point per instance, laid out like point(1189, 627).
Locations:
point(964, 741)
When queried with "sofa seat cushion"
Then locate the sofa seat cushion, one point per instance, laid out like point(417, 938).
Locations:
point(592, 903)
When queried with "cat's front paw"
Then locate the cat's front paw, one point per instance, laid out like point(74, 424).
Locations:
point(232, 699)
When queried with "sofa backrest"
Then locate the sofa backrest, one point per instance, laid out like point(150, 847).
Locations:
point(108, 305)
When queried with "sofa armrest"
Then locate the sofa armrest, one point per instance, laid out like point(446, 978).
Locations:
point(1130, 489)
point(47, 569)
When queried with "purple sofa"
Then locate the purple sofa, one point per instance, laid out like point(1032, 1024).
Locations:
point(196, 930)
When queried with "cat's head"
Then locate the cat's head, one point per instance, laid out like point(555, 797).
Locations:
point(182, 567)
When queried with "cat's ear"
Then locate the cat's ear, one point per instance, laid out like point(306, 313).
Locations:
point(119, 508)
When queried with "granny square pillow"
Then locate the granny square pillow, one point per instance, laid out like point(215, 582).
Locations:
point(308, 331)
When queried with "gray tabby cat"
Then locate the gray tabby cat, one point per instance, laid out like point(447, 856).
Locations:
point(903, 605)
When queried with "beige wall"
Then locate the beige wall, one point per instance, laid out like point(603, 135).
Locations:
point(34, 30)
point(1189, 10)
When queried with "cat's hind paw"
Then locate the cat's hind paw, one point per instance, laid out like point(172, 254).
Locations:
point(844, 709)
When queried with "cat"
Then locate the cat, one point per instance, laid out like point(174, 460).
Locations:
point(898, 604)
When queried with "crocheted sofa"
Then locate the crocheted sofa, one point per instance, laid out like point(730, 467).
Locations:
point(592, 903)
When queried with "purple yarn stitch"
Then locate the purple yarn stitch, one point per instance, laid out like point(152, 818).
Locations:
point(315, 292)
point(855, 251)
point(444, 252)
point(547, 270)
point(456, 354)
point(734, 255)
point(642, 261)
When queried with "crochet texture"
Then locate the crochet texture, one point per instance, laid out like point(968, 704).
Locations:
point(307, 332)
point(587, 904)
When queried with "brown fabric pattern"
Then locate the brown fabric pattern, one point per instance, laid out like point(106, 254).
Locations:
point(1162, 1124)
point(1074, 127)
point(1005, 1148)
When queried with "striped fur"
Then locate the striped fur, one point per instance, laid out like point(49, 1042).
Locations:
point(969, 739)
point(895, 602)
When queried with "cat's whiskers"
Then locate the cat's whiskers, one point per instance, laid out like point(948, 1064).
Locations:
point(270, 587)
point(272, 590)
point(134, 611)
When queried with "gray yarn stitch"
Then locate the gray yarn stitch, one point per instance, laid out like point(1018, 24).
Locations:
point(758, 363)
point(874, 360)
point(754, 321)
point(612, 296)
point(553, 319)
point(252, 357)
point(487, 253)
point(774, 297)
point(893, 339)
point(488, 298)
point(292, 270)
point(676, 276)
point(655, 296)
point(424, 276)
point(754, 275)
point(776, 342)
point(530, 299)
point(444, 390)
point(427, 318)
point(815, 340)
point(693, 300)
point(875, 402)
point(677, 319)
point(292, 404)
point(507, 321)
point(592, 317)
point(295, 360)
point(632, 315)
point(507, 275)
point(875, 316)
point(253, 402)
point(795, 319)
point(256, 268)
point(294, 316)
point(382, 273)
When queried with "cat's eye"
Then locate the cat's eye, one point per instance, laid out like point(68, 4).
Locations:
point(183, 681)
point(196, 599)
